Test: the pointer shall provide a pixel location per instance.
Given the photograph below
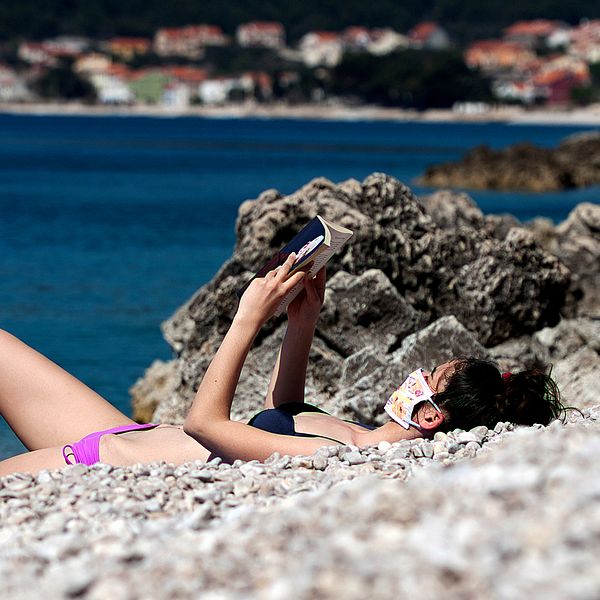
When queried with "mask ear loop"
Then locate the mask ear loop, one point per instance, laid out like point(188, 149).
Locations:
point(417, 425)
point(435, 405)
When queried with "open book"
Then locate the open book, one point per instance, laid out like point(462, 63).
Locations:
point(314, 245)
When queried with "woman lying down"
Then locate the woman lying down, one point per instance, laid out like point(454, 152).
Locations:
point(62, 421)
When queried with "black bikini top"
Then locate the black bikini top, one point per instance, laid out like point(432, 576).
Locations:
point(281, 420)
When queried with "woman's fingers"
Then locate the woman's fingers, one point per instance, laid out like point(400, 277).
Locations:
point(283, 269)
point(295, 279)
point(320, 281)
point(311, 290)
point(321, 277)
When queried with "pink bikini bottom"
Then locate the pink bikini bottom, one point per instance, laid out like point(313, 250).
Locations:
point(87, 450)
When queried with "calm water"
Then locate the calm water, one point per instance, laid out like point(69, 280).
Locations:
point(107, 224)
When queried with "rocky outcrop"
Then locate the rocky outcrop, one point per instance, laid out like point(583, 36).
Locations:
point(450, 210)
point(572, 347)
point(576, 242)
point(480, 280)
point(574, 163)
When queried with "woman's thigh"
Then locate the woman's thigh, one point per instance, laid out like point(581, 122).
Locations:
point(33, 462)
point(43, 404)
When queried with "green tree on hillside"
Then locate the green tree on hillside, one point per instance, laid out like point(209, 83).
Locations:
point(411, 79)
point(62, 83)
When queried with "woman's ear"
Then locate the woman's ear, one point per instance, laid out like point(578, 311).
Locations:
point(428, 417)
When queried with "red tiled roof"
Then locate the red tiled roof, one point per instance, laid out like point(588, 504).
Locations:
point(326, 36)
point(536, 27)
point(260, 78)
point(421, 31)
point(171, 32)
point(355, 31)
point(35, 45)
point(551, 77)
point(204, 29)
point(130, 42)
point(189, 74)
point(264, 26)
point(494, 45)
point(190, 30)
point(48, 49)
point(118, 70)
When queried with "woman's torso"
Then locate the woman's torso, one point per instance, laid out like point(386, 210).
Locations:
point(169, 443)
point(330, 427)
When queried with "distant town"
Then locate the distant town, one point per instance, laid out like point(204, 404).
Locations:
point(536, 62)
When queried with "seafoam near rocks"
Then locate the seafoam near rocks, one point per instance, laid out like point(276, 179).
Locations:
point(504, 513)
point(410, 263)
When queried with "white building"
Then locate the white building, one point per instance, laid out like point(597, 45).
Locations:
point(385, 41)
point(47, 52)
point(375, 41)
point(323, 48)
point(111, 89)
point(36, 53)
point(92, 63)
point(188, 41)
point(68, 45)
point(585, 41)
point(220, 90)
point(522, 91)
point(176, 95)
point(428, 35)
point(12, 87)
point(559, 39)
point(261, 34)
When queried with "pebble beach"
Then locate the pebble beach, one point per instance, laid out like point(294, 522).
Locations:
point(503, 513)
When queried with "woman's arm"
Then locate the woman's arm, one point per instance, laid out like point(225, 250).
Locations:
point(289, 375)
point(208, 420)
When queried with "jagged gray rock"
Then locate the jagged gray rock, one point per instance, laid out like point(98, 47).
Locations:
point(365, 310)
point(441, 341)
point(451, 209)
point(401, 271)
point(576, 242)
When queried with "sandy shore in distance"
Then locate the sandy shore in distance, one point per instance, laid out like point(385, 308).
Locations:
point(577, 116)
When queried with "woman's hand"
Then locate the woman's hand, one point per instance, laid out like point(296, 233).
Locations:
point(305, 308)
point(263, 295)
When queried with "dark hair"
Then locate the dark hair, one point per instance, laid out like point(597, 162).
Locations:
point(478, 394)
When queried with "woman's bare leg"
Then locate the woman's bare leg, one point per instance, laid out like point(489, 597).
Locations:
point(43, 404)
point(33, 462)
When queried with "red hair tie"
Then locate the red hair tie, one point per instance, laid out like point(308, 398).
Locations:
point(506, 375)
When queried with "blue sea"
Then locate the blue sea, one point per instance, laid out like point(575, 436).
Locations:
point(108, 224)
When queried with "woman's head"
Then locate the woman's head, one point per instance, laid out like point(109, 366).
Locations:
point(473, 392)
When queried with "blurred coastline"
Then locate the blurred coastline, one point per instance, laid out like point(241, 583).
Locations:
point(467, 112)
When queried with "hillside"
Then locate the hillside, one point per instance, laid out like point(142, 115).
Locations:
point(464, 19)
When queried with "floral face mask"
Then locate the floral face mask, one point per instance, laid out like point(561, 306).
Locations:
point(401, 404)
